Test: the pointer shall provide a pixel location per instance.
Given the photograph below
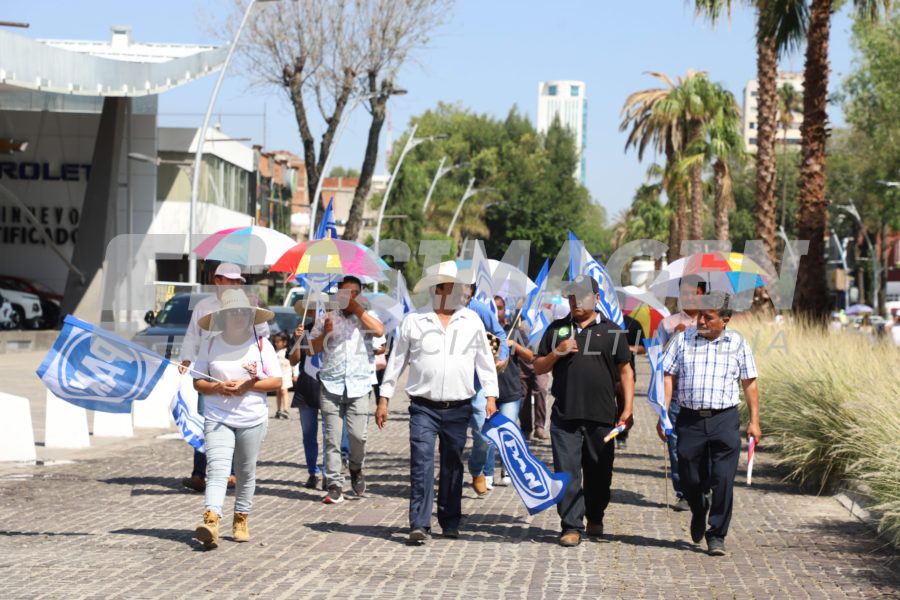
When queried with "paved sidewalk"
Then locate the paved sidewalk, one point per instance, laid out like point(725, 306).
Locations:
point(121, 527)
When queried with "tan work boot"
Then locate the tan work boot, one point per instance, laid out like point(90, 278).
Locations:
point(479, 485)
point(208, 533)
point(240, 528)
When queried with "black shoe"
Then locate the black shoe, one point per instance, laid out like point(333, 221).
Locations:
point(452, 534)
point(682, 505)
point(358, 482)
point(593, 529)
point(312, 483)
point(715, 546)
point(417, 536)
point(335, 495)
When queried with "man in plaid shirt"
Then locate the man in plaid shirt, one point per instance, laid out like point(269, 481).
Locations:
point(711, 364)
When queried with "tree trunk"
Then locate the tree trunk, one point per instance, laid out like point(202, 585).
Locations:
point(697, 202)
point(767, 113)
point(370, 159)
point(724, 198)
point(812, 288)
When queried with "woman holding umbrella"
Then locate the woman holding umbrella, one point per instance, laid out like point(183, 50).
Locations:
point(241, 368)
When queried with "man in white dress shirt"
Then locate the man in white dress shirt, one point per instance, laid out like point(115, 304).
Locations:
point(445, 346)
point(227, 275)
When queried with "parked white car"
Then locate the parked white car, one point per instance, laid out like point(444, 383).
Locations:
point(27, 308)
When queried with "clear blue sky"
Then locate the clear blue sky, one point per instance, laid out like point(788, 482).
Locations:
point(489, 56)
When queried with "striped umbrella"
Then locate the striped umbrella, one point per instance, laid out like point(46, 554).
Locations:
point(333, 258)
point(730, 272)
point(643, 307)
point(248, 246)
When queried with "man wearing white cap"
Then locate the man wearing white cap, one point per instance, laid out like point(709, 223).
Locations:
point(445, 346)
point(227, 275)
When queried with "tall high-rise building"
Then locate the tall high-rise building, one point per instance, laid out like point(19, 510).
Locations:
point(750, 117)
point(566, 100)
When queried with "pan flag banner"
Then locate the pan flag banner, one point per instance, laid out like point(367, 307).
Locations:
point(656, 392)
point(536, 485)
point(97, 370)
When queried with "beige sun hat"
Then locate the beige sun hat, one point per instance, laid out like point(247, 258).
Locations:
point(233, 299)
point(445, 272)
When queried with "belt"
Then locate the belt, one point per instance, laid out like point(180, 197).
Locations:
point(439, 404)
point(705, 412)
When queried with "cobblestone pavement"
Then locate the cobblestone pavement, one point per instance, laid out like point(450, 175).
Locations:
point(122, 528)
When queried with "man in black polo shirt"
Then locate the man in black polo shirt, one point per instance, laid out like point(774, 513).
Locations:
point(585, 352)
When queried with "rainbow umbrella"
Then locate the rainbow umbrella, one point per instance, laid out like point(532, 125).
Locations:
point(643, 307)
point(248, 246)
point(331, 257)
point(730, 272)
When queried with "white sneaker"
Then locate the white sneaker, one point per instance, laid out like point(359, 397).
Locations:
point(489, 482)
point(505, 480)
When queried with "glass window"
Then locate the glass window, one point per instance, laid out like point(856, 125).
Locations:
point(551, 90)
point(575, 90)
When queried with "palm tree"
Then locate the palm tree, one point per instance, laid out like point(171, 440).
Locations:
point(720, 141)
point(656, 118)
point(790, 102)
point(812, 213)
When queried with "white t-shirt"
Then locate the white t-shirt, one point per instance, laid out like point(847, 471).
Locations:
point(225, 362)
point(895, 334)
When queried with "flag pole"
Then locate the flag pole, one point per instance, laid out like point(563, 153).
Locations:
point(666, 469)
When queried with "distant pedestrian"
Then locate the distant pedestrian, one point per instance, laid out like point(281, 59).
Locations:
point(280, 342)
point(344, 337)
point(585, 352)
point(684, 319)
point(241, 368)
point(710, 364)
point(444, 346)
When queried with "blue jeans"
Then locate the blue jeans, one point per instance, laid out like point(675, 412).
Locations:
point(672, 442)
point(224, 443)
point(309, 430)
point(478, 456)
point(510, 410)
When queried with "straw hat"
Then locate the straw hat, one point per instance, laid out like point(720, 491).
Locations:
point(445, 272)
point(233, 299)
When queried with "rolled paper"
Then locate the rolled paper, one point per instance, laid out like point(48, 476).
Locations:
point(616, 431)
point(751, 451)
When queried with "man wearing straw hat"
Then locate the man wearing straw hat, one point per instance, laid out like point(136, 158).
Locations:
point(710, 365)
point(346, 375)
point(226, 276)
point(445, 346)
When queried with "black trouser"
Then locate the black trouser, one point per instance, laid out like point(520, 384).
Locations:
point(450, 426)
point(578, 447)
point(708, 452)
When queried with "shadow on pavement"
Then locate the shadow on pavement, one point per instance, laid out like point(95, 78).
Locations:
point(4, 533)
point(640, 540)
point(634, 499)
point(517, 533)
point(176, 535)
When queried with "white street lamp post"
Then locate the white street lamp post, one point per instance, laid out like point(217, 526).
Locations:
point(470, 191)
point(441, 171)
point(201, 141)
point(411, 142)
point(850, 209)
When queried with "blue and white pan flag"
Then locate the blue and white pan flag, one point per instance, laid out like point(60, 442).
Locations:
point(656, 392)
point(582, 263)
point(97, 370)
point(536, 485)
point(188, 420)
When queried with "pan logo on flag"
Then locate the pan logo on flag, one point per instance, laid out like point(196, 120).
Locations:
point(91, 368)
point(529, 475)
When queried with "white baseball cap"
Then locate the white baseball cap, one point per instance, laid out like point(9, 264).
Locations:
point(229, 271)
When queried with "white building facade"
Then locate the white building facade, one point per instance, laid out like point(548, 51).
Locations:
point(567, 101)
point(790, 136)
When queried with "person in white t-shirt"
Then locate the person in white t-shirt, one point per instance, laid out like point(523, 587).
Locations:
point(241, 367)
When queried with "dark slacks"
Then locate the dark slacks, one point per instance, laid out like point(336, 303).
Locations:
point(449, 426)
point(708, 452)
point(534, 401)
point(578, 449)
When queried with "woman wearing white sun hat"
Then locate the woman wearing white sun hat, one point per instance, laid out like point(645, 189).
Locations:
point(242, 367)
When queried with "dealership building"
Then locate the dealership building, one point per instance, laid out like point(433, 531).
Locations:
point(83, 161)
